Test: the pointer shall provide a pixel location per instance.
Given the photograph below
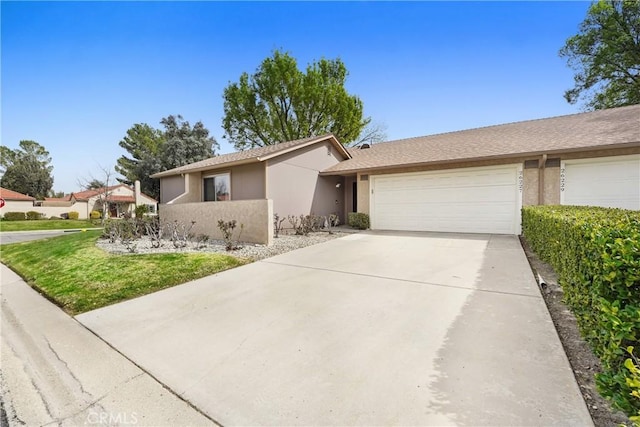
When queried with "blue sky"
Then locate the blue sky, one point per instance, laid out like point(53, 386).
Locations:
point(77, 75)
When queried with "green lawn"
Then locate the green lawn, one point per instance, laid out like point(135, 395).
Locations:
point(79, 277)
point(46, 224)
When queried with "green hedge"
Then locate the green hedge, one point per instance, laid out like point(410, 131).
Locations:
point(14, 216)
point(33, 215)
point(596, 254)
point(74, 215)
point(358, 220)
point(95, 215)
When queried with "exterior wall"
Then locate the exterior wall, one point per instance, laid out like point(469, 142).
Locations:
point(294, 184)
point(171, 187)
point(248, 182)
point(256, 215)
point(363, 194)
point(551, 186)
point(47, 211)
point(530, 187)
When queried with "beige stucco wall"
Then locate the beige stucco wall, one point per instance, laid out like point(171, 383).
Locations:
point(48, 211)
point(530, 187)
point(551, 186)
point(256, 215)
point(363, 194)
point(171, 187)
point(294, 184)
point(247, 182)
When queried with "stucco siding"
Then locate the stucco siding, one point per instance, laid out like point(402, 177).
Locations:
point(530, 187)
point(47, 211)
point(255, 215)
point(296, 188)
point(363, 194)
point(551, 186)
point(248, 182)
point(171, 187)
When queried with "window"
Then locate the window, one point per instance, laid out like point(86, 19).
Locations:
point(217, 188)
point(151, 209)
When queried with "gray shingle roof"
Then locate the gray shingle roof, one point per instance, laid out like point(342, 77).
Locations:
point(240, 156)
point(576, 132)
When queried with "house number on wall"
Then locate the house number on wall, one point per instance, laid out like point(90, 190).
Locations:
point(562, 179)
point(520, 181)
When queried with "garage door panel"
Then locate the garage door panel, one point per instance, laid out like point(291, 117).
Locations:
point(465, 200)
point(609, 182)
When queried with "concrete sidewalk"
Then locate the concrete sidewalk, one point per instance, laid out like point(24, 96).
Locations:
point(54, 371)
point(370, 329)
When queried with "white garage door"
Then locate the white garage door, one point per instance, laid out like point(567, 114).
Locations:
point(607, 181)
point(473, 200)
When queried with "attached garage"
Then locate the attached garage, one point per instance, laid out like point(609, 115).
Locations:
point(605, 181)
point(470, 200)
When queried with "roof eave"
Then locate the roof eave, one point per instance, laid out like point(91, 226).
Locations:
point(479, 159)
point(204, 168)
point(334, 141)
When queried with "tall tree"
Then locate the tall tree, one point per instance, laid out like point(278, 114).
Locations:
point(153, 150)
point(26, 169)
point(605, 55)
point(281, 103)
point(143, 143)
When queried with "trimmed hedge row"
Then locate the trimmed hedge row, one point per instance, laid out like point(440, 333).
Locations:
point(596, 254)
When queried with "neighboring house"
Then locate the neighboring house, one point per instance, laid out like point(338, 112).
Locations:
point(15, 202)
point(121, 199)
point(467, 181)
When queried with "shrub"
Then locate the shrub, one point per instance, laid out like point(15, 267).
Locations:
point(358, 220)
point(277, 225)
point(33, 215)
point(141, 210)
point(227, 227)
point(14, 216)
point(95, 215)
point(54, 217)
point(73, 215)
point(596, 254)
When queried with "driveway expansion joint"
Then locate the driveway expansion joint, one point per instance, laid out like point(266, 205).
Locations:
point(418, 282)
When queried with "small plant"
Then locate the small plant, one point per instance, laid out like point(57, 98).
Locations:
point(202, 240)
point(304, 224)
point(179, 233)
point(330, 221)
point(358, 220)
point(95, 214)
point(227, 227)
point(74, 215)
point(33, 215)
point(277, 225)
point(14, 216)
point(155, 231)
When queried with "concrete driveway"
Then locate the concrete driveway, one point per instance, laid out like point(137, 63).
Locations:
point(369, 329)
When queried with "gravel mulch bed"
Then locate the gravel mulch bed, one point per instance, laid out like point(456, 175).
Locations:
point(282, 244)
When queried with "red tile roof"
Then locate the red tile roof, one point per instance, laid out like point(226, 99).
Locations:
point(14, 195)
